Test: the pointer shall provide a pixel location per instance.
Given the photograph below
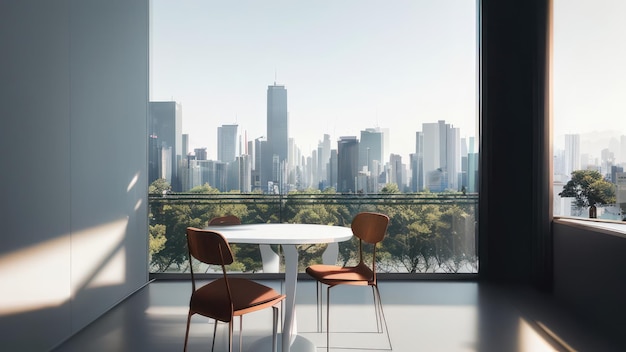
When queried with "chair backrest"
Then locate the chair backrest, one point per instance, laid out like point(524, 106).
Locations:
point(225, 220)
point(209, 247)
point(370, 227)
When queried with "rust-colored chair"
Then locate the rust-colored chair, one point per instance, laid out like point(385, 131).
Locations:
point(370, 228)
point(226, 297)
point(271, 260)
point(225, 220)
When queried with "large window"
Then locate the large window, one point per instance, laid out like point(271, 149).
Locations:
point(333, 99)
point(589, 109)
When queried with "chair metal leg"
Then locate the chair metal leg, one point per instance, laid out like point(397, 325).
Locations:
point(383, 316)
point(275, 329)
point(376, 311)
point(318, 301)
point(328, 318)
point(240, 332)
point(187, 331)
point(214, 333)
point(230, 336)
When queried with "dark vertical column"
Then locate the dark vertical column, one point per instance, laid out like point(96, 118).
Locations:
point(514, 238)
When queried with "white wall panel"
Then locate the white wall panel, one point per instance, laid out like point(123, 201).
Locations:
point(73, 107)
point(109, 84)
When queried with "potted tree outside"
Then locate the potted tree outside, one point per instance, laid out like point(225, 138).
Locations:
point(589, 189)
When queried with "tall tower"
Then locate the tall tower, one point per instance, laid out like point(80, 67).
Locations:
point(277, 123)
point(276, 155)
point(441, 156)
point(417, 163)
point(396, 171)
point(572, 154)
point(261, 165)
point(430, 152)
point(371, 149)
point(347, 164)
point(453, 156)
point(227, 143)
point(165, 142)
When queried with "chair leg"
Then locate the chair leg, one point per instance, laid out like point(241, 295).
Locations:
point(240, 332)
point(187, 331)
point(380, 303)
point(275, 329)
point(318, 301)
point(230, 335)
point(282, 312)
point(214, 333)
point(328, 318)
point(377, 311)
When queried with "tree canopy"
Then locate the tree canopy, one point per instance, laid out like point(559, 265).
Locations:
point(424, 234)
point(589, 188)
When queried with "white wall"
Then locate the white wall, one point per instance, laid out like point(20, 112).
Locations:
point(73, 135)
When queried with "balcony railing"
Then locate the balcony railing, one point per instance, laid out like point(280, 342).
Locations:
point(427, 233)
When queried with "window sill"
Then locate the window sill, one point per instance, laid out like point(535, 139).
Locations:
point(609, 227)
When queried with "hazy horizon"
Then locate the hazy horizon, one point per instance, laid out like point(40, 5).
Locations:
point(347, 66)
point(356, 64)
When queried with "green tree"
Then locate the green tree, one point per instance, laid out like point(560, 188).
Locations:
point(589, 188)
point(157, 239)
point(159, 186)
point(176, 218)
point(390, 188)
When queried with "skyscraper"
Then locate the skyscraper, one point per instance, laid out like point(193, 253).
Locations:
point(165, 142)
point(441, 156)
point(396, 171)
point(453, 156)
point(323, 158)
point(371, 149)
point(277, 122)
point(347, 164)
point(572, 154)
point(200, 153)
point(227, 143)
point(417, 163)
point(276, 155)
point(261, 166)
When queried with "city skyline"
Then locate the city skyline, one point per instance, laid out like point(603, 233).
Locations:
point(348, 66)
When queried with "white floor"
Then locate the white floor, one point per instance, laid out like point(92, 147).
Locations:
point(422, 316)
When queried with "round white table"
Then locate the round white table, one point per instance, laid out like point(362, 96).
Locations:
point(288, 236)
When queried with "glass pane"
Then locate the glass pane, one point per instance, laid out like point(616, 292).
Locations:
point(299, 111)
point(589, 109)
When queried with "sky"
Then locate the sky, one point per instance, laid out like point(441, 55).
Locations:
point(589, 71)
point(354, 64)
point(347, 65)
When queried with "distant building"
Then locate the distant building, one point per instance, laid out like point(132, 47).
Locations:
point(347, 164)
point(396, 171)
point(371, 146)
point(244, 166)
point(165, 142)
point(227, 143)
point(323, 158)
point(441, 156)
point(572, 157)
point(200, 153)
point(332, 169)
point(276, 153)
point(277, 121)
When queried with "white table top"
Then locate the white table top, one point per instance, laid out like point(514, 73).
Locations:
point(283, 233)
